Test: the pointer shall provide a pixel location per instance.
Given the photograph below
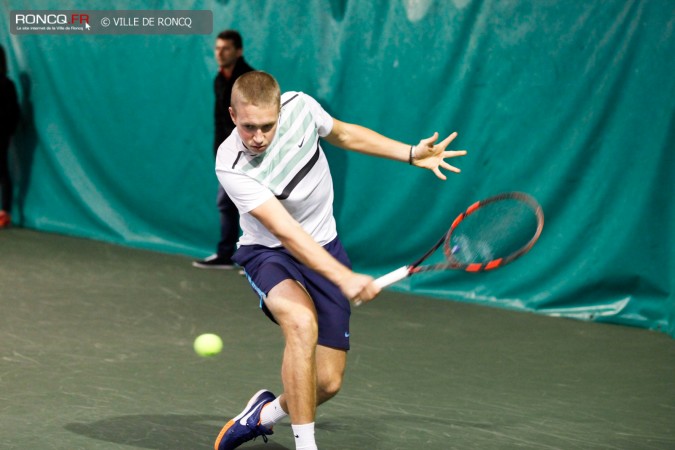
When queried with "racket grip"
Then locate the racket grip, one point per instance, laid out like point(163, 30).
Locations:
point(392, 277)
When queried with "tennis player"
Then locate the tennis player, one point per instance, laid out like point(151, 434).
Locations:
point(273, 168)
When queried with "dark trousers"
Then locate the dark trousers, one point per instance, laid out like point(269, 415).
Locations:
point(229, 225)
point(5, 180)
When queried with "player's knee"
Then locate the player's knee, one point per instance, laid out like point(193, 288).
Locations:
point(329, 387)
point(302, 327)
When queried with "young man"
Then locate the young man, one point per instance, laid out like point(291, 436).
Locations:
point(229, 53)
point(276, 173)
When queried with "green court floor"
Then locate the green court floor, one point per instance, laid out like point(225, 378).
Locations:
point(96, 353)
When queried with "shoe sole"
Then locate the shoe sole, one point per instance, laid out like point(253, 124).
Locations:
point(229, 424)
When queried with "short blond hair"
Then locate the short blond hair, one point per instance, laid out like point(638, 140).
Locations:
point(256, 88)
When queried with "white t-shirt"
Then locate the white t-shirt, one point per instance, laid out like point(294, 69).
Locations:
point(293, 168)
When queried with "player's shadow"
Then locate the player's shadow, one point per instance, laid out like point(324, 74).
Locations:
point(166, 432)
point(190, 432)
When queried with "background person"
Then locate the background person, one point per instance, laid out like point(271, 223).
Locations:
point(229, 53)
point(9, 119)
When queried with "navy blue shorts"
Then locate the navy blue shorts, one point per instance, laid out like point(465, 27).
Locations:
point(266, 267)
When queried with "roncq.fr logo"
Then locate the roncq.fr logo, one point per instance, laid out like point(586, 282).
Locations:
point(51, 19)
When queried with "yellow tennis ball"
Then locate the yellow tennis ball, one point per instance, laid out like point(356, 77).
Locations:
point(208, 344)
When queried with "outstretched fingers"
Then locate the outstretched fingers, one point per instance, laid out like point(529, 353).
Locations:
point(438, 173)
point(445, 142)
point(432, 156)
point(429, 142)
point(453, 153)
point(447, 166)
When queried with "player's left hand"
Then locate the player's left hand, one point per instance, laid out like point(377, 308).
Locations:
point(429, 155)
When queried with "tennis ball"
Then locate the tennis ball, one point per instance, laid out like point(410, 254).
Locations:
point(208, 344)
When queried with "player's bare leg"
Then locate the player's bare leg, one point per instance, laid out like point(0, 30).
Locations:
point(305, 366)
point(292, 308)
point(330, 368)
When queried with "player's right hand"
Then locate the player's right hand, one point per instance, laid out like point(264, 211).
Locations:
point(359, 288)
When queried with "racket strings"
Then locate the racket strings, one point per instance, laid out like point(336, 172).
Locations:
point(494, 231)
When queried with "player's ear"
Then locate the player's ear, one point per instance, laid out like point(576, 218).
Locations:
point(233, 115)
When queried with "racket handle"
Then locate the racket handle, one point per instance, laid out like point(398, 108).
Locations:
point(389, 279)
point(392, 277)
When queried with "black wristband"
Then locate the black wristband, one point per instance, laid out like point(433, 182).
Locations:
point(410, 158)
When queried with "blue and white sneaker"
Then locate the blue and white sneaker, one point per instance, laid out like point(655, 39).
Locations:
point(245, 426)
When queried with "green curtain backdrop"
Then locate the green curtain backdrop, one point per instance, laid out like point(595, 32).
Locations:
point(572, 102)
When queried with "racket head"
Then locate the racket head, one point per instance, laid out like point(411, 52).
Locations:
point(491, 233)
point(494, 232)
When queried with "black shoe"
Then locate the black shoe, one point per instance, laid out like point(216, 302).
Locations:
point(214, 262)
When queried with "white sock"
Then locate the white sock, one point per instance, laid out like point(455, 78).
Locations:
point(304, 436)
point(271, 414)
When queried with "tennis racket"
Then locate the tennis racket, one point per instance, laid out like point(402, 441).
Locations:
point(489, 234)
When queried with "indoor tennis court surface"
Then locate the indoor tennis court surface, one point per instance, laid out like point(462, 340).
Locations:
point(96, 353)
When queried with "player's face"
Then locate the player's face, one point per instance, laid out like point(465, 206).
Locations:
point(256, 125)
point(226, 54)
